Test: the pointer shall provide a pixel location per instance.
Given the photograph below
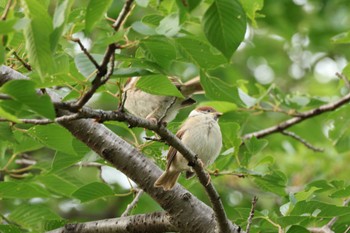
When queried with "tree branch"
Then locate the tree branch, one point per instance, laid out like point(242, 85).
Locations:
point(178, 202)
point(103, 68)
point(132, 204)
point(157, 222)
point(301, 117)
point(123, 15)
point(91, 58)
point(303, 141)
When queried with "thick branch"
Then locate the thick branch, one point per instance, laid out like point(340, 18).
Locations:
point(157, 222)
point(301, 117)
point(186, 212)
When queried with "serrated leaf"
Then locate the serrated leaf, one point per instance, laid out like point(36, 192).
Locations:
point(37, 35)
point(160, 50)
point(325, 210)
point(60, 18)
point(275, 183)
point(62, 161)
point(158, 85)
point(199, 52)
point(21, 190)
point(255, 145)
point(53, 136)
point(225, 25)
point(57, 184)
point(344, 192)
point(32, 216)
point(216, 89)
point(25, 143)
point(24, 92)
point(251, 7)
point(93, 191)
point(94, 12)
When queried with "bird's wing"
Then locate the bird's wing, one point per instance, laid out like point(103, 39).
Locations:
point(172, 151)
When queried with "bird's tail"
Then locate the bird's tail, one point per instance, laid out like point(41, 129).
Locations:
point(167, 180)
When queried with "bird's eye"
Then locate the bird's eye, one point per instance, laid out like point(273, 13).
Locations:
point(208, 110)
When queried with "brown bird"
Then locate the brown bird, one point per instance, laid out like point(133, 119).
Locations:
point(200, 133)
point(158, 107)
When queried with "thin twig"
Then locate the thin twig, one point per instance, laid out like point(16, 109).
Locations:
point(224, 173)
point(25, 64)
point(251, 215)
point(132, 205)
point(154, 139)
point(6, 10)
point(344, 78)
point(167, 109)
point(301, 117)
point(123, 15)
point(103, 68)
point(303, 141)
point(71, 117)
point(91, 58)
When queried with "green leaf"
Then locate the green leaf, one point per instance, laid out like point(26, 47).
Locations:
point(255, 145)
point(7, 26)
point(24, 92)
point(21, 190)
point(60, 18)
point(131, 72)
point(324, 210)
point(169, 26)
point(10, 229)
point(32, 216)
point(142, 3)
point(199, 52)
point(8, 116)
point(57, 184)
point(230, 135)
point(297, 229)
point(37, 35)
point(94, 12)
point(160, 50)
point(158, 85)
point(25, 143)
point(62, 161)
point(216, 89)
point(344, 192)
point(6, 132)
point(53, 136)
point(342, 38)
point(93, 191)
point(225, 25)
point(84, 65)
point(275, 182)
point(251, 7)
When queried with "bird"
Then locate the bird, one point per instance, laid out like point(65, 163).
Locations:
point(158, 108)
point(201, 134)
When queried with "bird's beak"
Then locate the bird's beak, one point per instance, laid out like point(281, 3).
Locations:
point(218, 114)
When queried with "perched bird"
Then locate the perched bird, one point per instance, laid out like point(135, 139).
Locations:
point(200, 133)
point(156, 107)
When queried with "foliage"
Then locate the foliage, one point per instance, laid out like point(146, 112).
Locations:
point(259, 62)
